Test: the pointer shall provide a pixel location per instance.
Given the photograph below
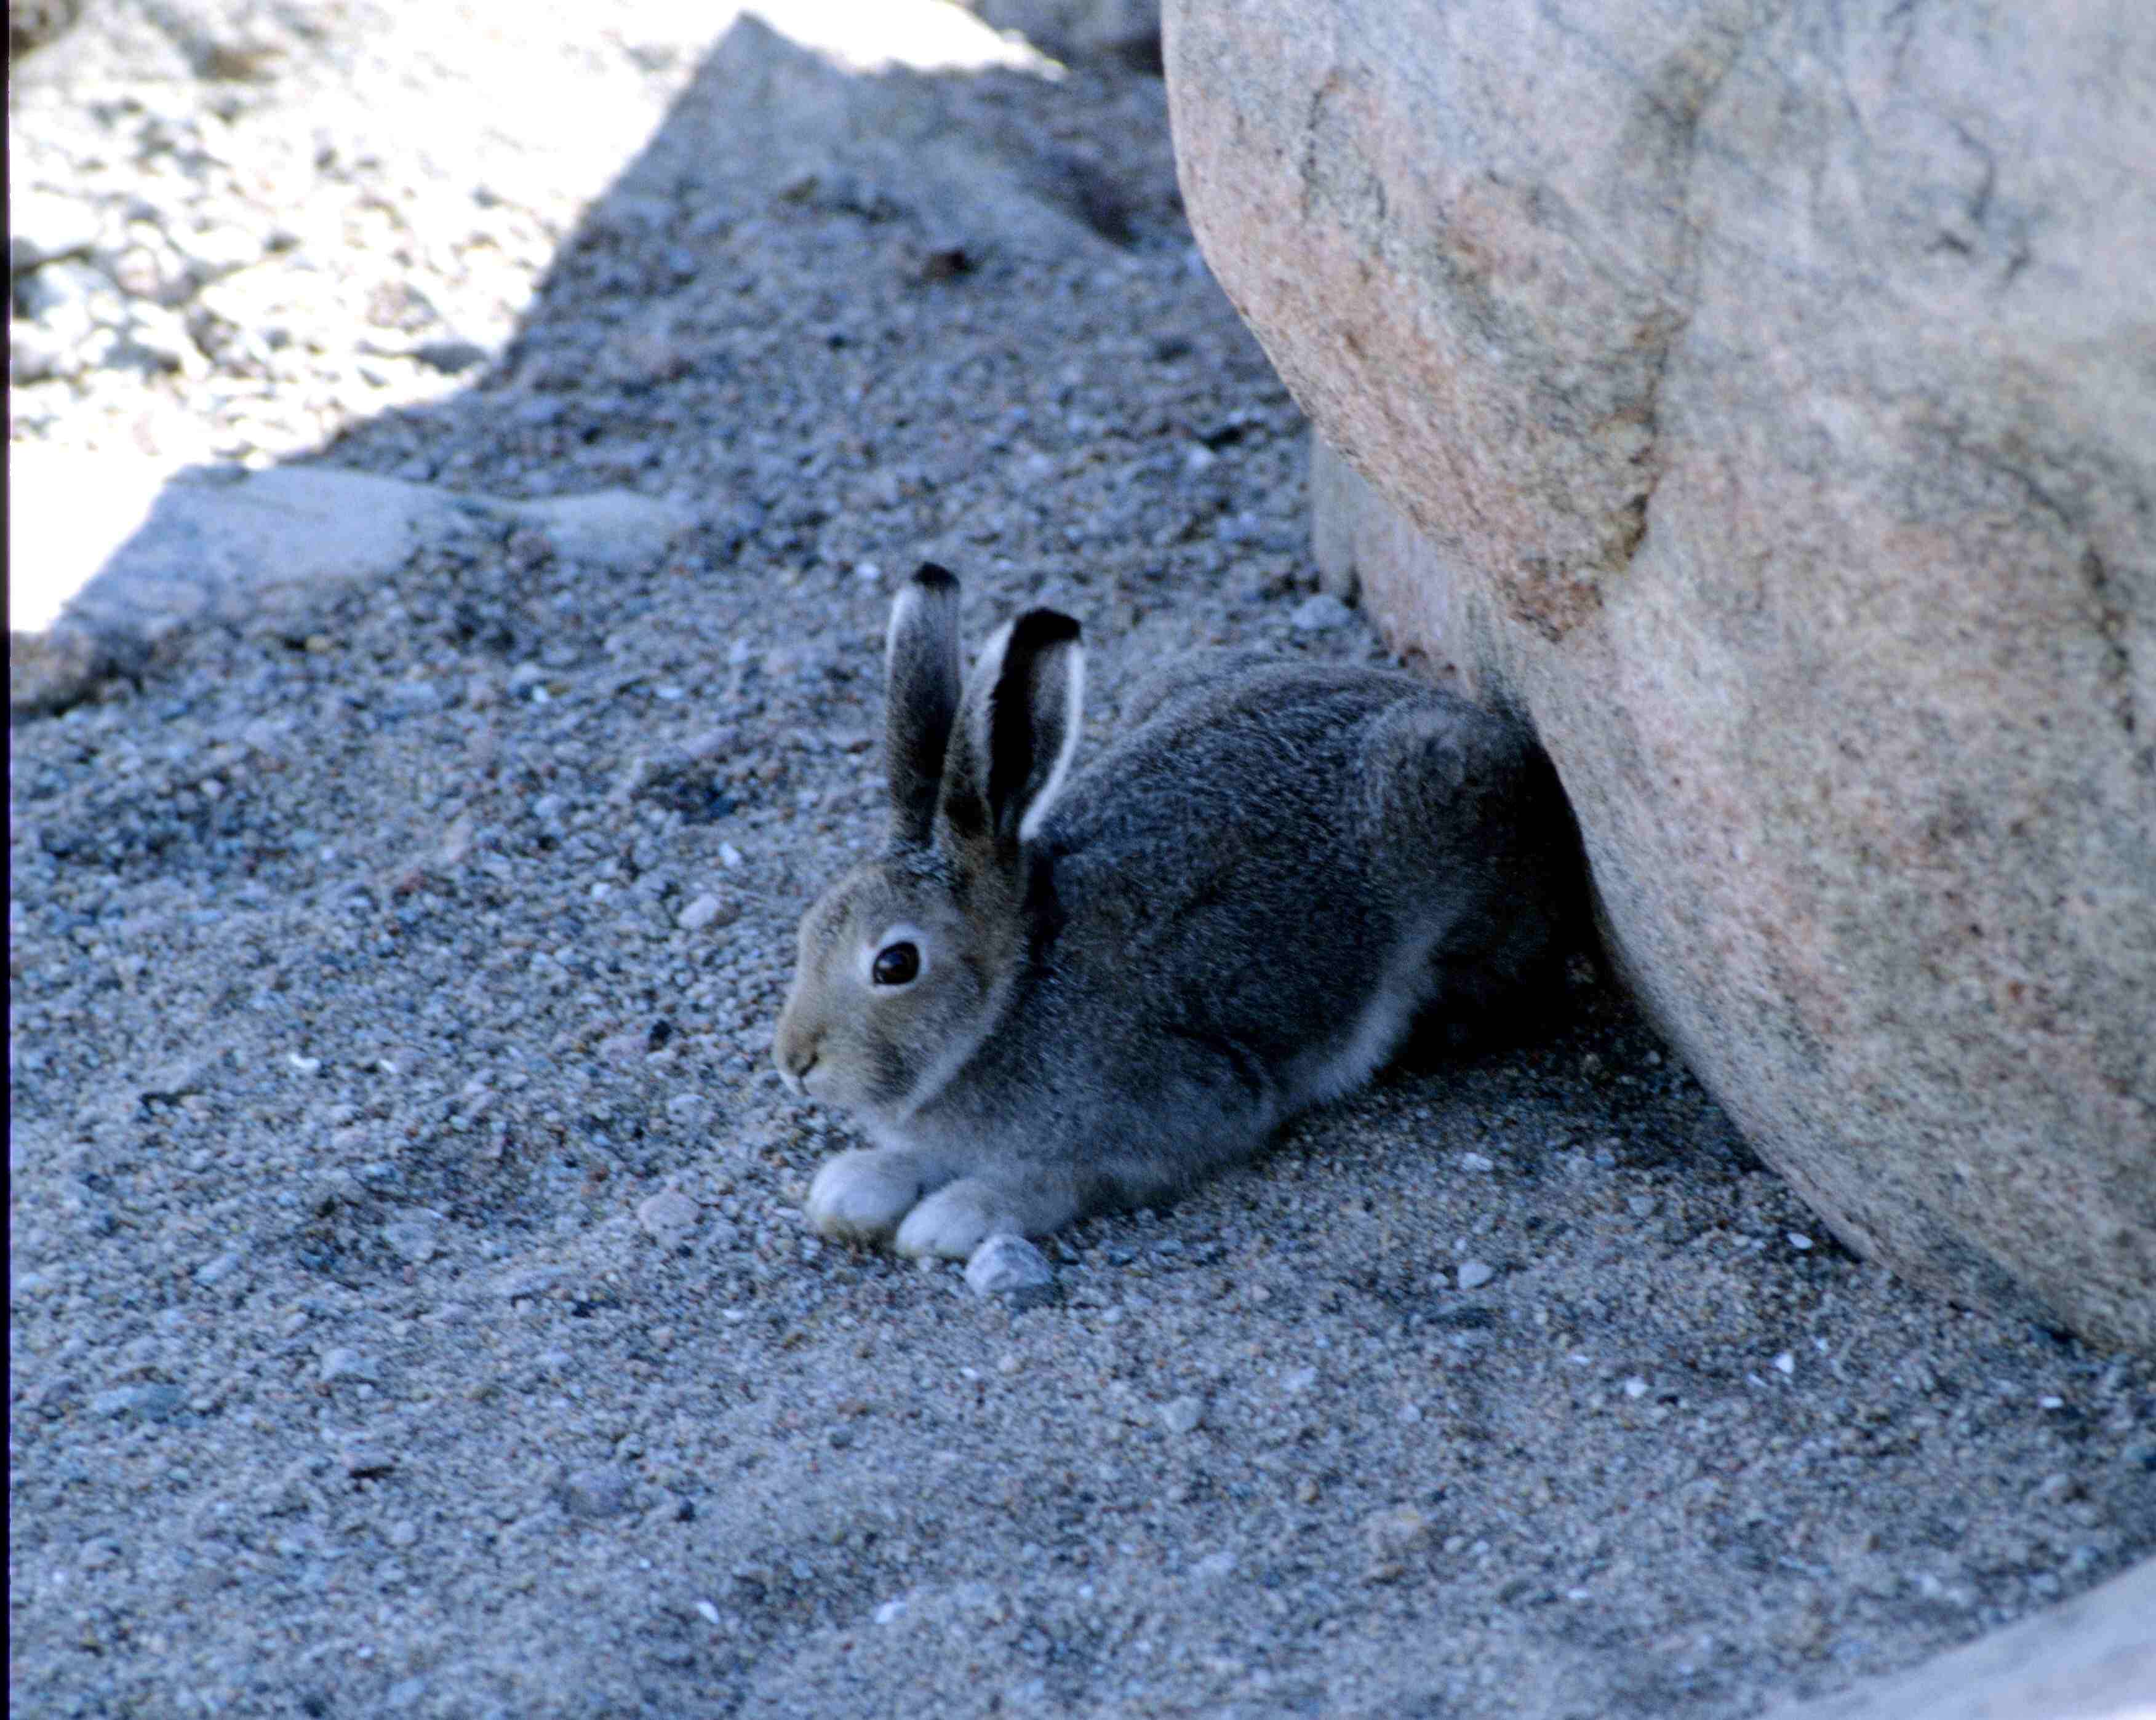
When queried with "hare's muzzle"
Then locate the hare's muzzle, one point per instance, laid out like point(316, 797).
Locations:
point(794, 1052)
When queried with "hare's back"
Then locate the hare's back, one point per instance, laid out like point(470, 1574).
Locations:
point(1212, 868)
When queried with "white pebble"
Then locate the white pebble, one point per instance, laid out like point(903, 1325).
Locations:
point(1785, 1362)
point(1006, 1265)
point(729, 855)
point(668, 1216)
point(342, 1364)
point(411, 1240)
point(1799, 1242)
point(1473, 1274)
point(1391, 1532)
point(700, 913)
point(1181, 1416)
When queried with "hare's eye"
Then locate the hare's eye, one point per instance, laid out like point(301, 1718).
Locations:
point(895, 964)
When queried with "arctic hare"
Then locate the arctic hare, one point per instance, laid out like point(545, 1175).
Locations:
point(1052, 994)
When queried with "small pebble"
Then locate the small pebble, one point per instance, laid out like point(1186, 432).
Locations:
point(1473, 1274)
point(594, 1493)
point(450, 357)
point(1391, 1532)
point(1011, 1267)
point(1181, 1416)
point(700, 913)
point(412, 1240)
point(669, 1215)
point(346, 1363)
point(147, 1403)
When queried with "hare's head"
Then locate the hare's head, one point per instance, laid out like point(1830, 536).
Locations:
point(906, 963)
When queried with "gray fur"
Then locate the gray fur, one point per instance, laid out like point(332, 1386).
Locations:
point(1235, 912)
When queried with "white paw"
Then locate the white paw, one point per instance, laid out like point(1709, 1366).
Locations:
point(860, 1197)
point(954, 1220)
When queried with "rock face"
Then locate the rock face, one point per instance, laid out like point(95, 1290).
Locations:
point(1764, 399)
point(2093, 1658)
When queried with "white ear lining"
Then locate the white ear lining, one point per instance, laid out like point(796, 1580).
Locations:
point(903, 610)
point(1074, 719)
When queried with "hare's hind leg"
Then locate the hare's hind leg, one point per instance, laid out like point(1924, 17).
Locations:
point(1470, 828)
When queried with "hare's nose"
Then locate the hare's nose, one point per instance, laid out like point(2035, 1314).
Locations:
point(795, 1058)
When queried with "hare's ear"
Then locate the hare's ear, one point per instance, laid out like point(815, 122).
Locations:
point(1016, 728)
point(921, 698)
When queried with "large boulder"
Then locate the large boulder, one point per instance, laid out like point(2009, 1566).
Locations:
point(2091, 1658)
point(1764, 399)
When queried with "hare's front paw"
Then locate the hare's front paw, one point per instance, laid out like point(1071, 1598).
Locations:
point(958, 1217)
point(860, 1197)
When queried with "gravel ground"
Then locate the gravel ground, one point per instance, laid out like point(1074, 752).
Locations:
point(411, 1309)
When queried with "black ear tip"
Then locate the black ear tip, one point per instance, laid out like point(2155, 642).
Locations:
point(931, 577)
point(1043, 629)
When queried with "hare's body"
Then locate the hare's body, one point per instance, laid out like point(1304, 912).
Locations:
point(1237, 911)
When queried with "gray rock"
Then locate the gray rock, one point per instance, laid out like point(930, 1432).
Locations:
point(415, 1240)
point(342, 1362)
point(669, 1215)
point(595, 1493)
point(1473, 1274)
point(614, 529)
point(1183, 1415)
point(797, 124)
point(1011, 1267)
point(451, 357)
point(708, 909)
point(1797, 485)
point(112, 559)
point(147, 1403)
